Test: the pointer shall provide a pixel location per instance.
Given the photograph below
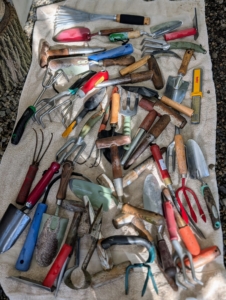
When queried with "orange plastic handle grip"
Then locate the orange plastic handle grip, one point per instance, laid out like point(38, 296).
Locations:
point(189, 240)
point(115, 102)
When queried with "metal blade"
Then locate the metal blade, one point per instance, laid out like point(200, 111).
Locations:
point(163, 28)
point(195, 160)
point(152, 195)
point(173, 93)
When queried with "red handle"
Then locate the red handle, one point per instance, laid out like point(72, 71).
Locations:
point(57, 265)
point(179, 34)
point(38, 190)
point(26, 186)
point(170, 220)
point(92, 82)
point(160, 162)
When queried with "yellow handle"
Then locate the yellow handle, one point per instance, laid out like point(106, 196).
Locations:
point(68, 130)
point(197, 77)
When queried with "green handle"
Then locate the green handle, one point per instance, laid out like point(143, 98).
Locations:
point(127, 130)
point(211, 205)
point(121, 36)
point(90, 123)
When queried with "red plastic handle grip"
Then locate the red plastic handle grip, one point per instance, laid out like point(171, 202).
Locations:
point(179, 34)
point(26, 186)
point(38, 190)
point(160, 161)
point(92, 82)
point(170, 220)
point(57, 265)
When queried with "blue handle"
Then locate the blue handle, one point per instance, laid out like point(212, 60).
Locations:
point(25, 257)
point(116, 52)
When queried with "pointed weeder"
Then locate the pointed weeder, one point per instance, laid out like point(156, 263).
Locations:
point(146, 51)
point(178, 283)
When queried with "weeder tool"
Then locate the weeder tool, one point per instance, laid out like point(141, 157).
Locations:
point(196, 95)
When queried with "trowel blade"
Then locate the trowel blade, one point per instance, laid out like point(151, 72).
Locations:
point(195, 160)
point(12, 224)
point(152, 195)
point(176, 94)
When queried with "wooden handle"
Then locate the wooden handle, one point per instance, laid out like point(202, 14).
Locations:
point(157, 76)
point(179, 107)
point(106, 32)
point(67, 169)
point(134, 66)
point(186, 59)
point(115, 162)
point(58, 52)
point(119, 140)
point(142, 76)
point(189, 240)
point(115, 103)
point(148, 120)
point(139, 225)
point(159, 126)
point(121, 61)
point(180, 154)
point(134, 34)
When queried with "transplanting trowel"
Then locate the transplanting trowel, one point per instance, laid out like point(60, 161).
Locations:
point(198, 169)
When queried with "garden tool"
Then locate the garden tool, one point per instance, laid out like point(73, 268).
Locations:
point(70, 17)
point(131, 240)
point(196, 95)
point(176, 87)
point(185, 32)
point(82, 34)
point(167, 180)
point(160, 53)
point(184, 230)
point(154, 96)
point(30, 111)
point(157, 78)
point(150, 45)
point(32, 170)
point(150, 136)
point(171, 155)
point(136, 65)
point(142, 130)
point(182, 167)
point(198, 170)
point(128, 113)
point(77, 65)
point(46, 52)
point(181, 252)
point(90, 105)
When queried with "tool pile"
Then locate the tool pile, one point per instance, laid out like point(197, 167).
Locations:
point(81, 73)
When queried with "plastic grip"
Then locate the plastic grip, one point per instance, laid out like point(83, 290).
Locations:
point(125, 240)
point(24, 260)
point(92, 82)
point(26, 186)
point(159, 161)
point(57, 265)
point(170, 220)
point(134, 20)
point(189, 240)
point(180, 154)
point(121, 36)
point(116, 52)
point(179, 34)
point(21, 124)
point(115, 103)
point(127, 129)
point(38, 190)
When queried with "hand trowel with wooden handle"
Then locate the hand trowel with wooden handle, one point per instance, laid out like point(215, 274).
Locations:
point(176, 87)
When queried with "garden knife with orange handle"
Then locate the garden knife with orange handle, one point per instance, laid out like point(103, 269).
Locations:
point(196, 95)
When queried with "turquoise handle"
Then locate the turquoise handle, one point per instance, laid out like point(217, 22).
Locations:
point(127, 130)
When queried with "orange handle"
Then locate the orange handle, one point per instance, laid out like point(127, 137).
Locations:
point(115, 102)
point(180, 154)
point(189, 240)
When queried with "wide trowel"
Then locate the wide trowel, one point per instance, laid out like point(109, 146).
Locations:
point(198, 169)
point(176, 87)
point(152, 200)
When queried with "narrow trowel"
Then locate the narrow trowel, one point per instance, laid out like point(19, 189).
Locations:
point(176, 87)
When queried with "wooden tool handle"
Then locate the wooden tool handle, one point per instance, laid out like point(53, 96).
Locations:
point(148, 120)
point(67, 169)
point(142, 76)
point(179, 107)
point(58, 52)
point(131, 19)
point(106, 32)
point(116, 164)
point(134, 34)
point(186, 59)
point(157, 76)
point(134, 66)
point(180, 154)
point(118, 140)
point(159, 126)
point(115, 103)
point(121, 61)
point(139, 225)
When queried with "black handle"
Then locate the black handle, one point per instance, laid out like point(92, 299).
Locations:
point(125, 240)
point(78, 83)
point(19, 130)
point(130, 19)
point(81, 115)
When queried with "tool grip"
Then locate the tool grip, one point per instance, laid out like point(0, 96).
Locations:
point(166, 258)
point(134, 66)
point(115, 104)
point(115, 162)
point(180, 154)
point(69, 129)
point(112, 53)
point(157, 75)
point(121, 61)
point(92, 82)
point(170, 220)
point(123, 36)
point(118, 140)
point(148, 120)
point(127, 129)
point(179, 34)
point(179, 107)
point(21, 124)
point(186, 59)
point(57, 265)
point(125, 240)
point(141, 76)
point(160, 162)
point(26, 186)
point(211, 205)
point(189, 240)
point(133, 20)
point(106, 32)
point(159, 126)
point(67, 169)
point(38, 190)
point(24, 260)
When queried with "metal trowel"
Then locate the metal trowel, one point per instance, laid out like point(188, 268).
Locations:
point(198, 169)
point(176, 87)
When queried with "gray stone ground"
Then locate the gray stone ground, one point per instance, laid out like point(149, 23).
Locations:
point(216, 25)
